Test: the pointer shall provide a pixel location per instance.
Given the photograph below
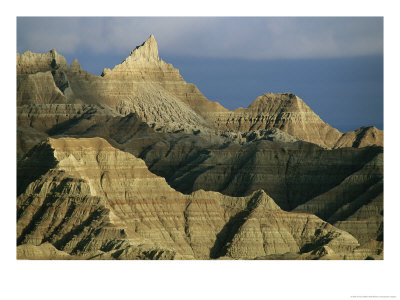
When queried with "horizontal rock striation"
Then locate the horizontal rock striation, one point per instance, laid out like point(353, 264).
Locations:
point(363, 137)
point(356, 204)
point(38, 88)
point(286, 112)
point(38, 121)
point(292, 173)
point(45, 251)
point(144, 65)
point(95, 201)
point(229, 173)
point(31, 63)
point(154, 90)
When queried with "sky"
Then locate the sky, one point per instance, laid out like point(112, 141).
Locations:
point(335, 64)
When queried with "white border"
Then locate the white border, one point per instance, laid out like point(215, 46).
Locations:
point(199, 279)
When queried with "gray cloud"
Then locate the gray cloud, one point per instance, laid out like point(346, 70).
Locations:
point(249, 38)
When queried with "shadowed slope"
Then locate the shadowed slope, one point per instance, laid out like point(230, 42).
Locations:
point(100, 202)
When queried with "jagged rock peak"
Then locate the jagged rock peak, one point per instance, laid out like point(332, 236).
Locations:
point(148, 50)
point(285, 111)
point(30, 62)
point(288, 97)
point(262, 200)
point(142, 56)
point(362, 137)
point(53, 52)
point(273, 103)
point(75, 66)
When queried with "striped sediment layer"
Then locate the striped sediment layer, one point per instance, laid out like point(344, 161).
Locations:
point(94, 201)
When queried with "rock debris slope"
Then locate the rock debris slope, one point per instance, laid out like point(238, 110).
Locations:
point(94, 201)
point(205, 186)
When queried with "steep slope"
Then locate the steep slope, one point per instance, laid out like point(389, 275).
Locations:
point(45, 251)
point(292, 173)
point(87, 199)
point(144, 65)
point(94, 201)
point(365, 136)
point(154, 90)
point(284, 111)
point(356, 204)
point(50, 118)
point(42, 79)
point(35, 122)
point(143, 84)
point(31, 63)
point(27, 138)
point(38, 88)
point(147, 86)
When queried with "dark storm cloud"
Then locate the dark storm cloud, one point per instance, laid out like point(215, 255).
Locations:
point(227, 37)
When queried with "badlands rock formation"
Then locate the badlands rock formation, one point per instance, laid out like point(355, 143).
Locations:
point(144, 66)
point(284, 111)
point(138, 164)
point(291, 173)
point(143, 84)
point(155, 91)
point(362, 137)
point(45, 251)
point(356, 204)
point(94, 201)
point(31, 63)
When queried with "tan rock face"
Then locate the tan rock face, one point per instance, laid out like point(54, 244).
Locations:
point(363, 137)
point(155, 91)
point(144, 84)
point(45, 251)
point(85, 199)
point(96, 200)
point(284, 111)
point(38, 88)
point(144, 65)
point(30, 63)
point(292, 173)
point(276, 233)
point(90, 196)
